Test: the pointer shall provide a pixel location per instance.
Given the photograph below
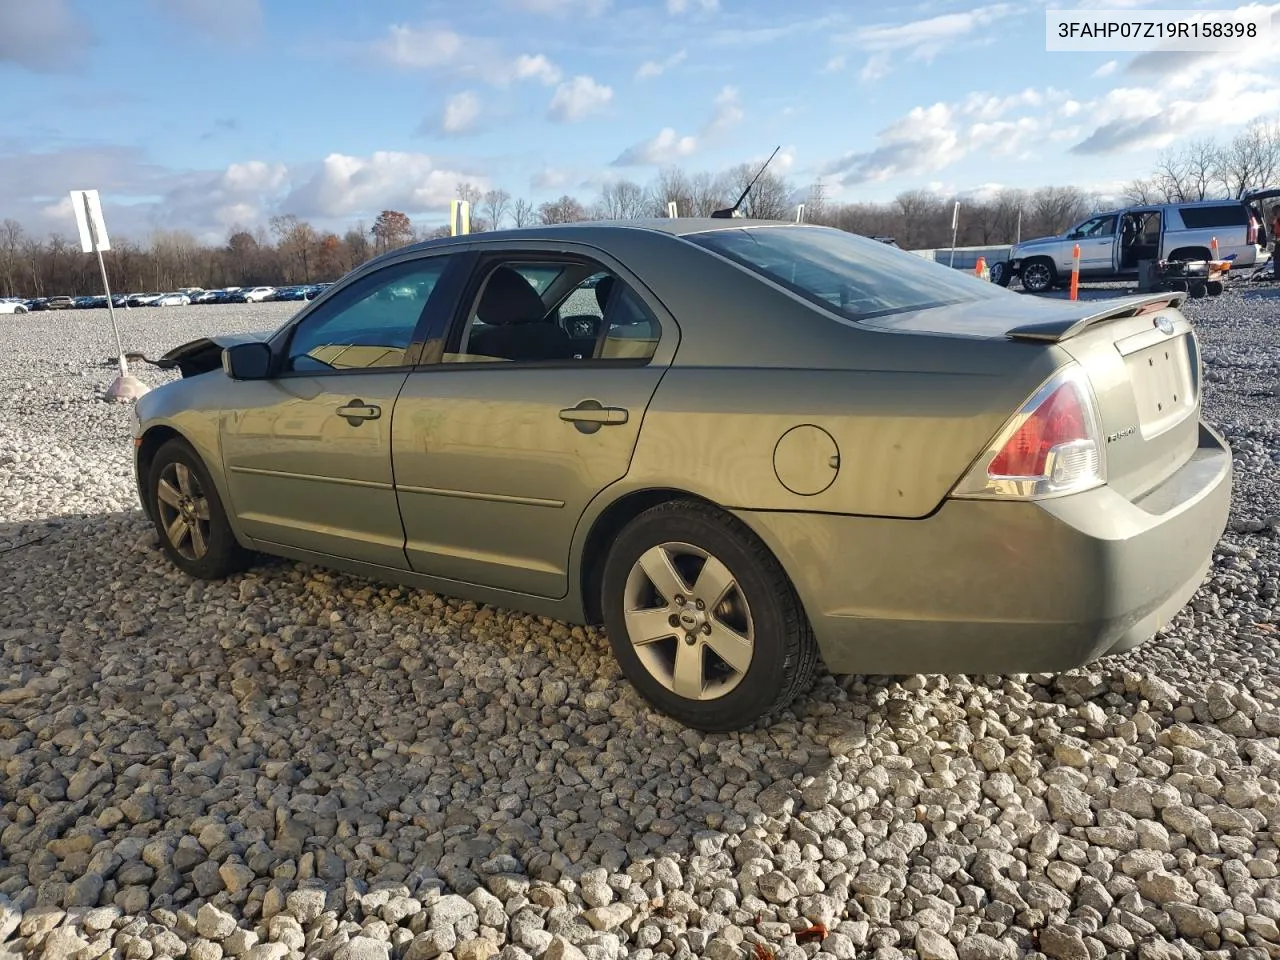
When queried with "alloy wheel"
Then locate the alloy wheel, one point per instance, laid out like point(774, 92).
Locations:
point(1037, 277)
point(688, 620)
point(184, 510)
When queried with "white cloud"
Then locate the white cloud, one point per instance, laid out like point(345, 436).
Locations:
point(835, 64)
point(232, 20)
point(920, 39)
point(242, 195)
point(562, 8)
point(345, 185)
point(536, 68)
point(684, 6)
point(42, 35)
point(877, 66)
point(578, 99)
point(726, 112)
point(550, 178)
point(1107, 69)
point(461, 113)
point(929, 139)
point(925, 38)
point(655, 68)
point(667, 147)
point(1180, 95)
point(437, 47)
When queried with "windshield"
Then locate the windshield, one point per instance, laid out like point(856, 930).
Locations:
point(852, 275)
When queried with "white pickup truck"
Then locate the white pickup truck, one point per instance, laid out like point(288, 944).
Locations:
point(1112, 244)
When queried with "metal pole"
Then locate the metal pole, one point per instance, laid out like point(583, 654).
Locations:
point(955, 225)
point(1018, 236)
point(102, 266)
point(111, 312)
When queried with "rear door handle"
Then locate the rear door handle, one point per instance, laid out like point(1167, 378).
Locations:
point(357, 411)
point(590, 415)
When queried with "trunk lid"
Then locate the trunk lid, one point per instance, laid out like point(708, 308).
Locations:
point(1141, 357)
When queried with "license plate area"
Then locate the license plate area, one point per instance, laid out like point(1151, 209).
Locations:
point(1164, 387)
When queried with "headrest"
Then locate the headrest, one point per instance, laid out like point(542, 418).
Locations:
point(508, 299)
point(603, 289)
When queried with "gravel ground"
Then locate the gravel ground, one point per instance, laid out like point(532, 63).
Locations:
point(297, 763)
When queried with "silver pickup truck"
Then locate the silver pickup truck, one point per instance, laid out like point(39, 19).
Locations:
point(1113, 243)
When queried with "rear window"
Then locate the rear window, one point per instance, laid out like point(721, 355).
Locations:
point(1226, 215)
point(851, 275)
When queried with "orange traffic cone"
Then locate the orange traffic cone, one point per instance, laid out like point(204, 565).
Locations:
point(980, 271)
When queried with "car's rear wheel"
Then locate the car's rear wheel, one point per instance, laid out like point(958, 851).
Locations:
point(703, 620)
point(189, 517)
point(1001, 275)
point(1038, 275)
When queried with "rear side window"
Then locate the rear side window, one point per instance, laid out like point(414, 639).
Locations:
point(1226, 215)
point(854, 276)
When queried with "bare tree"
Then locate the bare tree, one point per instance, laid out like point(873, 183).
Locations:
point(296, 241)
point(564, 210)
point(769, 199)
point(495, 206)
point(622, 200)
point(708, 192)
point(923, 220)
point(1054, 209)
point(1252, 158)
point(10, 254)
point(522, 213)
point(391, 229)
point(672, 185)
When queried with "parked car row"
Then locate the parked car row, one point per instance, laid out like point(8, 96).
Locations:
point(183, 296)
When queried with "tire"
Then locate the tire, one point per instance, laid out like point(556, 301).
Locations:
point(1214, 288)
point(20, 310)
point(759, 605)
point(1001, 275)
point(221, 554)
point(1039, 275)
point(1197, 291)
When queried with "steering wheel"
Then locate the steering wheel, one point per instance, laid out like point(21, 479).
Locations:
point(581, 325)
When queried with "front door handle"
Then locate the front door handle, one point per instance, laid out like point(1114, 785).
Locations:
point(601, 415)
point(357, 411)
point(590, 415)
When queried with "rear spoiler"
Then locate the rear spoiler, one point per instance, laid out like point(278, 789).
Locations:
point(1057, 330)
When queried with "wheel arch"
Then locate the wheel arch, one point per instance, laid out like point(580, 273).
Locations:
point(1191, 253)
point(605, 528)
point(149, 445)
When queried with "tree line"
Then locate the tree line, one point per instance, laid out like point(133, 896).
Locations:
point(290, 250)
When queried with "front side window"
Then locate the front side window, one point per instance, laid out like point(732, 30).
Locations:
point(1099, 227)
point(368, 325)
point(851, 275)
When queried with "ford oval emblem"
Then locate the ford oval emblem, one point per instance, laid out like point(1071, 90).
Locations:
point(1164, 325)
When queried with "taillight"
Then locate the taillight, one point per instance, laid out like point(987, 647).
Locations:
point(1052, 446)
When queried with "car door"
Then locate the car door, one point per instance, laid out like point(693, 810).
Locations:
point(523, 415)
point(1097, 239)
point(308, 451)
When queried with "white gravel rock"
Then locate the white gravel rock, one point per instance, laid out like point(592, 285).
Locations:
point(295, 762)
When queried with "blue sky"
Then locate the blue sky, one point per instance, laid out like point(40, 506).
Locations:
point(204, 115)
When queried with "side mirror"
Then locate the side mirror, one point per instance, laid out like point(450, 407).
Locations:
point(1074, 235)
point(247, 361)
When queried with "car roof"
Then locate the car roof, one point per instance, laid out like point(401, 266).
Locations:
point(589, 230)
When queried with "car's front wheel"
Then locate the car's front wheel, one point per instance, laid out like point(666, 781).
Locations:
point(1039, 275)
point(703, 620)
point(188, 515)
point(1001, 274)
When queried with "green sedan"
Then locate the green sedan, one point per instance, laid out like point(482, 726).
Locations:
point(742, 447)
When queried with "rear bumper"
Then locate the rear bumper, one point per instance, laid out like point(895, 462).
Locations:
point(1004, 587)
